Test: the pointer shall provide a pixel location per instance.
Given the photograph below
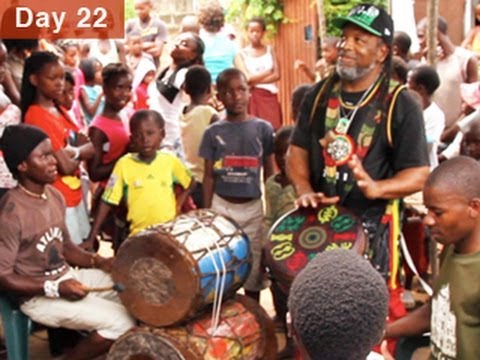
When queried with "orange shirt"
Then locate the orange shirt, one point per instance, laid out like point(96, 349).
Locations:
point(58, 128)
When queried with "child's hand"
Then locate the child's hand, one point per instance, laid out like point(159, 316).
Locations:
point(81, 139)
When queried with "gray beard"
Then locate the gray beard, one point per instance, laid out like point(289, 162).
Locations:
point(353, 73)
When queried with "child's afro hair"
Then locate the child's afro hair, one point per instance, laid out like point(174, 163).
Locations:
point(338, 305)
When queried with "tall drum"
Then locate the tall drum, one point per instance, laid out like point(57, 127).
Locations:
point(243, 332)
point(171, 271)
point(300, 234)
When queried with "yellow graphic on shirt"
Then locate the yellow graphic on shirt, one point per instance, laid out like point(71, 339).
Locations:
point(72, 182)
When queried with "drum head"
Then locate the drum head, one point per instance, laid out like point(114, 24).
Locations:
point(159, 277)
point(150, 344)
point(300, 234)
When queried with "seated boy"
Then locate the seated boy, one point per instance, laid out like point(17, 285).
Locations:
point(452, 197)
point(36, 252)
point(338, 305)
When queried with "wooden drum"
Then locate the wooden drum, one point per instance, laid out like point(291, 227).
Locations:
point(244, 332)
point(171, 271)
point(300, 234)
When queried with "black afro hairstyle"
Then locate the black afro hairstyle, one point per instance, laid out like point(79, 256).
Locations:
point(197, 81)
point(427, 76)
point(113, 71)
point(142, 115)
point(338, 305)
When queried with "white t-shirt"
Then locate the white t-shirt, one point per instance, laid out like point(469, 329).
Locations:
point(170, 111)
point(434, 124)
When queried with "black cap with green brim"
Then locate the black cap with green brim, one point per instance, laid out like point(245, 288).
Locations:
point(370, 18)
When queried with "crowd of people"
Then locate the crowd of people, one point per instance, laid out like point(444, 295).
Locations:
point(101, 139)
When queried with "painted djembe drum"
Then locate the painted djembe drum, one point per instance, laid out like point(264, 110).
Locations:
point(300, 234)
point(171, 271)
point(243, 332)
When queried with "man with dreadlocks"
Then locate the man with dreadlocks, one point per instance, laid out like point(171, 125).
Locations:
point(360, 140)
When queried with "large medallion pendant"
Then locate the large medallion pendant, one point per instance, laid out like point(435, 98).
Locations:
point(340, 149)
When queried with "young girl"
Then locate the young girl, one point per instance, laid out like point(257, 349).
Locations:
point(194, 120)
point(71, 60)
point(259, 62)
point(472, 40)
point(42, 86)
point(91, 94)
point(109, 133)
point(165, 94)
point(68, 101)
point(144, 74)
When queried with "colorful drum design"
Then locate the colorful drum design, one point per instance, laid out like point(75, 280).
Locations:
point(244, 332)
point(173, 270)
point(300, 234)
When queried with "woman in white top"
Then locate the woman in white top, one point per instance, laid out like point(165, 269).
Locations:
point(166, 95)
point(259, 63)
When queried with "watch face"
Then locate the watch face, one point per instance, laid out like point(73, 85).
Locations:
point(339, 150)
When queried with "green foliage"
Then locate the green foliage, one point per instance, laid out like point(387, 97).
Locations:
point(334, 8)
point(239, 11)
point(129, 9)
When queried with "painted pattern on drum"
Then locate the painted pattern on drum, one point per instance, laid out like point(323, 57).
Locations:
point(299, 235)
point(312, 238)
point(237, 267)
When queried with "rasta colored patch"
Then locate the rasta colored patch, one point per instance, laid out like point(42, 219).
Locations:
point(297, 261)
point(282, 251)
point(342, 223)
point(312, 238)
point(290, 224)
point(327, 214)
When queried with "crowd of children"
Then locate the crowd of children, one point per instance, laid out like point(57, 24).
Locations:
point(150, 143)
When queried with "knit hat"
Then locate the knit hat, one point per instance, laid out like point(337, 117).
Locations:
point(371, 18)
point(18, 141)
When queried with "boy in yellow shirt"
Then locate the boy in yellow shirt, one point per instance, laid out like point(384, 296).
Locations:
point(145, 179)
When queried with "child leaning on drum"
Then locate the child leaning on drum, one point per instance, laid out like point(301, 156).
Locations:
point(145, 179)
point(236, 150)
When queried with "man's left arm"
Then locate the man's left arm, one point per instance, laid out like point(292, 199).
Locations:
point(403, 183)
point(408, 157)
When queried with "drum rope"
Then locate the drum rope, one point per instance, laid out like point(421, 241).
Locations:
point(219, 281)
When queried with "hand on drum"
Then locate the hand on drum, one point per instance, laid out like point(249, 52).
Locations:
point(72, 289)
point(104, 263)
point(314, 199)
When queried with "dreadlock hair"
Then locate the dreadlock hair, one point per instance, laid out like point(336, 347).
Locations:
point(339, 305)
point(33, 65)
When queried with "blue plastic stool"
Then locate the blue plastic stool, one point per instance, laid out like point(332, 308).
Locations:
point(16, 326)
